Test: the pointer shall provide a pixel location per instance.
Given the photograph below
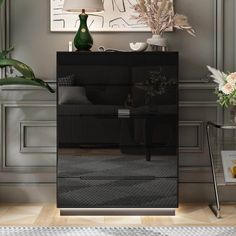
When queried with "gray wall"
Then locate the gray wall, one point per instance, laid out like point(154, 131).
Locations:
point(24, 173)
point(36, 45)
point(230, 36)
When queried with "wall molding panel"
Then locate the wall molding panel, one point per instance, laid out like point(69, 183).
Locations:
point(11, 127)
point(193, 117)
point(24, 147)
point(204, 104)
point(219, 34)
point(198, 126)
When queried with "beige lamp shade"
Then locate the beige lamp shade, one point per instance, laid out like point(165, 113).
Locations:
point(87, 5)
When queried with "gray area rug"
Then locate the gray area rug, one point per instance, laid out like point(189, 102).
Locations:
point(118, 231)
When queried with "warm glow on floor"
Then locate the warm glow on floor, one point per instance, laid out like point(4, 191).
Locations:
point(48, 215)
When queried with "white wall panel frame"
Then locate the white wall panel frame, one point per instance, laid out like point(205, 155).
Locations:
point(199, 146)
point(21, 104)
point(24, 125)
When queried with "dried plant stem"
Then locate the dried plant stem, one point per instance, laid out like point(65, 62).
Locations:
point(159, 16)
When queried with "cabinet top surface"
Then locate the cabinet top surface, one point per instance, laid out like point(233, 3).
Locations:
point(116, 52)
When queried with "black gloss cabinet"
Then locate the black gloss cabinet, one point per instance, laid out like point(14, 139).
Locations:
point(117, 120)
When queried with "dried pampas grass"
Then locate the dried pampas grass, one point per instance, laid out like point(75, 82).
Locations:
point(159, 16)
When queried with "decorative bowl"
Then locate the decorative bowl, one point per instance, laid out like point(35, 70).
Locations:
point(138, 47)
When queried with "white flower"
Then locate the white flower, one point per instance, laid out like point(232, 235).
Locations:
point(218, 76)
point(228, 88)
point(231, 78)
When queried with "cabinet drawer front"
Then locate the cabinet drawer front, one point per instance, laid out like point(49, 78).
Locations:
point(116, 165)
point(152, 193)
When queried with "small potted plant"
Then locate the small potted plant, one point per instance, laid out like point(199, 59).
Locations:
point(225, 90)
point(159, 16)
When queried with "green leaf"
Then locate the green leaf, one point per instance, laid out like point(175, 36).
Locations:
point(26, 81)
point(44, 84)
point(1, 2)
point(25, 70)
point(4, 53)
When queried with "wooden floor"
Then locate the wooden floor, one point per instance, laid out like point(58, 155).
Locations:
point(48, 215)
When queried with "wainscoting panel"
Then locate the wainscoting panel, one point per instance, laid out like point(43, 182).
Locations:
point(37, 136)
point(193, 143)
point(191, 136)
point(29, 136)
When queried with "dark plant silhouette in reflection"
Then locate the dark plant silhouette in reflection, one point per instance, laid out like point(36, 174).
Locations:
point(156, 84)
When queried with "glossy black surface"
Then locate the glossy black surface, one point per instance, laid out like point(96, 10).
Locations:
point(122, 127)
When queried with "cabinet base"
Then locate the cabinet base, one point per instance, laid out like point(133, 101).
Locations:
point(117, 211)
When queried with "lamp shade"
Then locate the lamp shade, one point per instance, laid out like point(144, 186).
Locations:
point(87, 5)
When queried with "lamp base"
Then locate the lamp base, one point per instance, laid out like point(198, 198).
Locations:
point(83, 40)
point(80, 50)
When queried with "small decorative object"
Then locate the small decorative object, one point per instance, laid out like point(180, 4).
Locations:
point(159, 16)
point(157, 41)
point(70, 47)
point(138, 47)
point(233, 114)
point(103, 49)
point(226, 90)
point(83, 39)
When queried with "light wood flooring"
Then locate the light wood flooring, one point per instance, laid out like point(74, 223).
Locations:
point(48, 215)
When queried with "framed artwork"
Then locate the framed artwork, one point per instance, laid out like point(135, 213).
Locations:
point(117, 17)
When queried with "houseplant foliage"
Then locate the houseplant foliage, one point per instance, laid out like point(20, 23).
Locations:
point(25, 75)
point(159, 16)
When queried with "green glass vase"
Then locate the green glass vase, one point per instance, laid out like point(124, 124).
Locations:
point(83, 40)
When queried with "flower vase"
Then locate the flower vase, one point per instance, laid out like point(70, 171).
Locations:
point(158, 42)
point(233, 114)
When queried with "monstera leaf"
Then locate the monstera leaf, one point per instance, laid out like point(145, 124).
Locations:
point(25, 70)
point(25, 81)
point(1, 2)
point(27, 78)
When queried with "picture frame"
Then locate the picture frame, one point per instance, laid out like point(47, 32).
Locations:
point(117, 17)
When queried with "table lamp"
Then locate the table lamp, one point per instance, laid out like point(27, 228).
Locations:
point(83, 40)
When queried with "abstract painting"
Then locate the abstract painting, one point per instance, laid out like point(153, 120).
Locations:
point(117, 17)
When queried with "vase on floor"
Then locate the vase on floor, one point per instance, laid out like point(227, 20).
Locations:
point(158, 43)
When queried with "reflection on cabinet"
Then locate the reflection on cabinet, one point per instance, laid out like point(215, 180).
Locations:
point(117, 130)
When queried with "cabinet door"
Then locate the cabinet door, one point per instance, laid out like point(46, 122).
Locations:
point(103, 153)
